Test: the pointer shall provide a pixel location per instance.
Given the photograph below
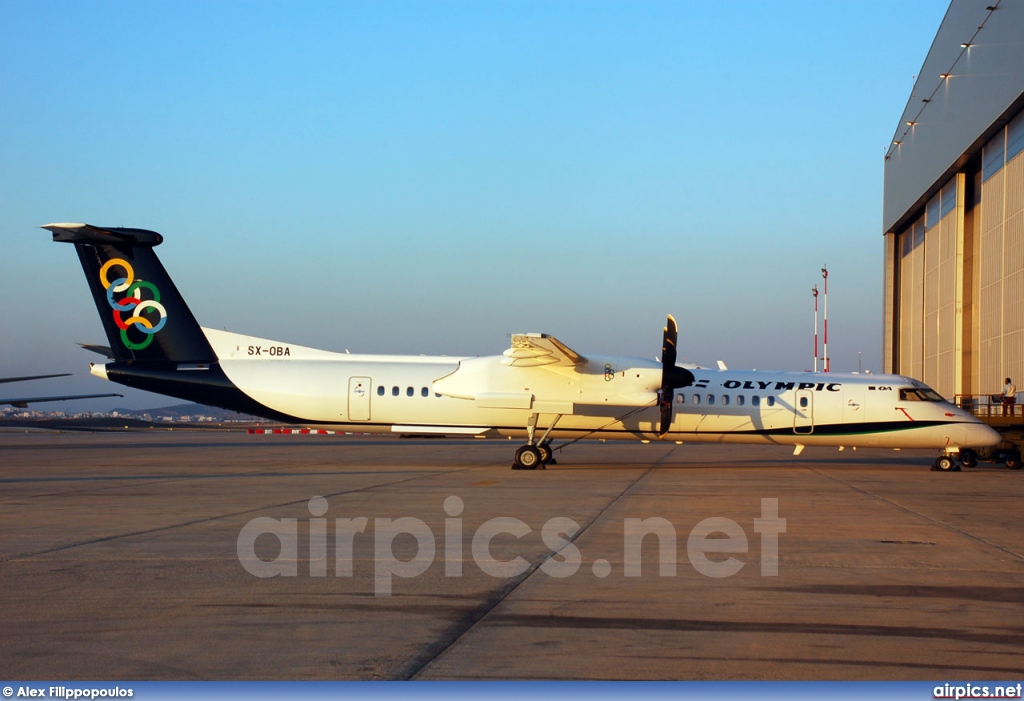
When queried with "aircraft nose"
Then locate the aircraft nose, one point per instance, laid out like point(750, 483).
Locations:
point(978, 435)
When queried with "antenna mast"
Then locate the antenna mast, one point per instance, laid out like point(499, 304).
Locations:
point(814, 291)
point(824, 274)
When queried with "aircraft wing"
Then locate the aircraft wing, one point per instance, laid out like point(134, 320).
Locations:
point(32, 377)
point(538, 349)
point(23, 402)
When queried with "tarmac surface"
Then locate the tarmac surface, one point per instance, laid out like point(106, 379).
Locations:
point(135, 556)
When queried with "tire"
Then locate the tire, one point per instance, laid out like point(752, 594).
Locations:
point(528, 458)
point(547, 455)
point(1013, 459)
point(945, 463)
point(968, 457)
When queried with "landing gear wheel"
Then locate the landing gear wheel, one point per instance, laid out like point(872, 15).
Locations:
point(1013, 460)
point(968, 457)
point(547, 456)
point(945, 463)
point(528, 457)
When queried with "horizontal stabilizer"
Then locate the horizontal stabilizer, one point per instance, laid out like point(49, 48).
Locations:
point(86, 233)
point(95, 348)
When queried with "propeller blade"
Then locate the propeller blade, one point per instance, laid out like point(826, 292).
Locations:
point(665, 401)
point(672, 377)
point(668, 360)
point(668, 343)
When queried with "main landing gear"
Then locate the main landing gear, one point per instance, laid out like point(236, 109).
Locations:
point(535, 454)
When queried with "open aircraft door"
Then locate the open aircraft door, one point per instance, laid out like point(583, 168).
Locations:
point(803, 412)
point(359, 398)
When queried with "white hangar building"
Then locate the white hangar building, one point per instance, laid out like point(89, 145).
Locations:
point(953, 212)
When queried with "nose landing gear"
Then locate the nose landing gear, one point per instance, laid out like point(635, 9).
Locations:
point(946, 463)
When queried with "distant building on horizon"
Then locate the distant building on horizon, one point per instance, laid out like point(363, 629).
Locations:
point(953, 212)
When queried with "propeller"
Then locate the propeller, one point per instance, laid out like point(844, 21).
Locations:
point(672, 376)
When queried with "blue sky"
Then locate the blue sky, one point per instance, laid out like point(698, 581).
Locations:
point(429, 177)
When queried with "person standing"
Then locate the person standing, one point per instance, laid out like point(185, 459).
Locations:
point(1009, 397)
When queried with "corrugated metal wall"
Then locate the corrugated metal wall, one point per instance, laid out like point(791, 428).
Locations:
point(1013, 272)
point(944, 380)
point(927, 301)
point(912, 300)
point(990, 284)
point(889, 300)
point(925, 274)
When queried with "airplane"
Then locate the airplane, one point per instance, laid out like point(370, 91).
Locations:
point(23, 402)
point(538, 389)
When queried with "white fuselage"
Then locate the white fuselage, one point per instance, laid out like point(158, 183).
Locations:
point(607, 397)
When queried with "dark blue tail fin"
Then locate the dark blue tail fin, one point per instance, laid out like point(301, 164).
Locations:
point(143, 313)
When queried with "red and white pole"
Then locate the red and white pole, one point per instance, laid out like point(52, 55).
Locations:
point(824, 274)
point(814, 291)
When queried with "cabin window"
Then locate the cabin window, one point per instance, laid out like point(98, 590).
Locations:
point(681, 399)
point(711, 399)
point(394, 391)
point(424, 392)
point(696, 399)
point(409, 391)
point(725, 400)
point(739, 400)
point(803, 402)
point(380, 391)
point(771, 401)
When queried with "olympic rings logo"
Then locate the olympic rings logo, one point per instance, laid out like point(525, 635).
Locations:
point(132, 302)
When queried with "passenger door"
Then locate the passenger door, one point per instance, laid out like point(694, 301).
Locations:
point(803, 411)
point(359, 398)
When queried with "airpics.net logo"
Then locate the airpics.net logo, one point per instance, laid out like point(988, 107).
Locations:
point(712, 545)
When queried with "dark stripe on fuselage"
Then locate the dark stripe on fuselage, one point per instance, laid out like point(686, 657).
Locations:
point(209, 386)
point(213, 388)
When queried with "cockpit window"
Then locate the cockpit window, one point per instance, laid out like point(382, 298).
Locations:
point(920, 394)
